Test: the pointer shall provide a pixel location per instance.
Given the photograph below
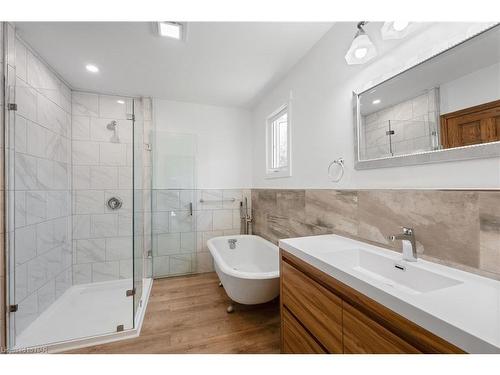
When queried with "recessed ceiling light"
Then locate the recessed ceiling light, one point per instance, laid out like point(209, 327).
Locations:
point(173, 30)
point(120, 101)
point(92, 68)
point(376, 101)
point(400, 25)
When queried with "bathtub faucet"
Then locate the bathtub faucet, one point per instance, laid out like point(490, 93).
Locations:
point(232, 243)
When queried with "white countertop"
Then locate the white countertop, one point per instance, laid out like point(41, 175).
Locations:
point(467, 315)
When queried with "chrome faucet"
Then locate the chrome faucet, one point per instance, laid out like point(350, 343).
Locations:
point(232, 243)
point(409, 245)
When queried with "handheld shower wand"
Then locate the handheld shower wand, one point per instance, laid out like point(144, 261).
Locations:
point(246, 219)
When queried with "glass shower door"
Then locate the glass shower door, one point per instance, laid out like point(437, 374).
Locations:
point(174, 204)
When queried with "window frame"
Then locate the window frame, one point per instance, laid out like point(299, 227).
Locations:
point(278, 172)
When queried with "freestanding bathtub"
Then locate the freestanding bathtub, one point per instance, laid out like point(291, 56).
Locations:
point(250, 272)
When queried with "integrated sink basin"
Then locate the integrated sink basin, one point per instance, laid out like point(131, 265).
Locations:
point(405, 276)
point(459, 306)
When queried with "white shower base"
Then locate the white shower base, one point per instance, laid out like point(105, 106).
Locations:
point(86, 314)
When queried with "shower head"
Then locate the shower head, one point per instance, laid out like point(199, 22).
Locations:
point(112, 126)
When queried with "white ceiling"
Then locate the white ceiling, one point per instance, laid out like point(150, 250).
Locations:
point(221, 63)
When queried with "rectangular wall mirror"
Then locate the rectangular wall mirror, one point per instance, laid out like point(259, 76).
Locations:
point(444, 109)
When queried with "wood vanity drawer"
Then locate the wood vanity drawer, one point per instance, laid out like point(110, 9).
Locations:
point(365, 336)
point(342, 319)
point(296, 340)
point(318, 309)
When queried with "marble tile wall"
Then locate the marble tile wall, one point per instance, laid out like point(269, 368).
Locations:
point(413, 122)
point(102, 168)
point(179, 239)
point(39, 185)
point(457, 228)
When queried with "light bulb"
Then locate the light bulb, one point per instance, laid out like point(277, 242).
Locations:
point(360, 52)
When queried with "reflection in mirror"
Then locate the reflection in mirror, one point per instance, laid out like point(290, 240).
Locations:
point(402, 128)
point(451, 100)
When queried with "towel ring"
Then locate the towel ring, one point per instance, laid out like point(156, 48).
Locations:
point(339, 162)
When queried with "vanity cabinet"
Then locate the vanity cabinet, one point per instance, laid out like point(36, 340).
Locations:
point(319, 314)
point(296, 339)
point(364, 335)
point(314, 306)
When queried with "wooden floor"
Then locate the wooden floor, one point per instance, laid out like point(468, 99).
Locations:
point(187, 314)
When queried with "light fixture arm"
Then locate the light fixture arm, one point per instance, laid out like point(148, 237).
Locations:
point(360, 26)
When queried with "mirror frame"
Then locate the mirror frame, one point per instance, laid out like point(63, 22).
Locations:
point(479, 151)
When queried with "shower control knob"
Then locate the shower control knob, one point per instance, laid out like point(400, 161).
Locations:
point(114, 203)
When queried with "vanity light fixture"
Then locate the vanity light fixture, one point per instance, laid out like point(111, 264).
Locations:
point(174, 30)
point(92, 68)
point(400, 25)
point(362, 48)
point(120, 101)
point(396, 29)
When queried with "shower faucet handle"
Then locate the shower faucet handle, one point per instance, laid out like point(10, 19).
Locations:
point(114, 203)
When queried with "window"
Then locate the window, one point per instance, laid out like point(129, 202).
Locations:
point(278, 143)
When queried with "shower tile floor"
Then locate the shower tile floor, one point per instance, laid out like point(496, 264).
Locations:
point(187, 314)
point(82, 311)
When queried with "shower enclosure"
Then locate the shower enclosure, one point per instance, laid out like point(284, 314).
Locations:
point(186, 215)
point(78, 200)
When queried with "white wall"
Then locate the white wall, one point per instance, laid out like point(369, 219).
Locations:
point(223, 141)
point(481, 86)
point(321, 85)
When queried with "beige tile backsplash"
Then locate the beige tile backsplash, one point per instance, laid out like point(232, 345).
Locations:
point(457, 228)
point(489, 233)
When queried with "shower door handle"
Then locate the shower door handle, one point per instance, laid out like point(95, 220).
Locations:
point(190, 208)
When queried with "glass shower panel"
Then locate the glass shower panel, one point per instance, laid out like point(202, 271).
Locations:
point(70, 209)
point(70, 205)
point(9, 93)
point(174, 204)
point(103, 210)
point(139, 204)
